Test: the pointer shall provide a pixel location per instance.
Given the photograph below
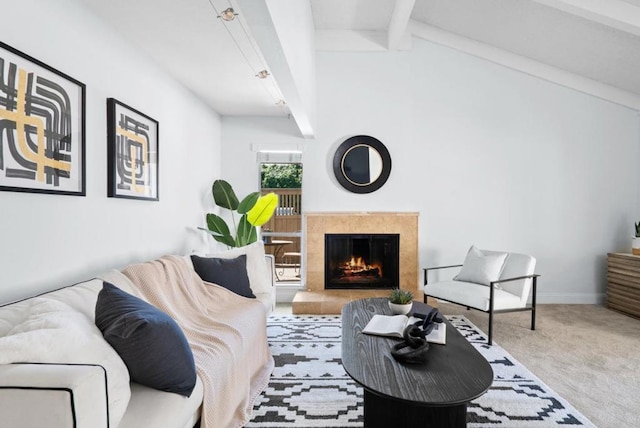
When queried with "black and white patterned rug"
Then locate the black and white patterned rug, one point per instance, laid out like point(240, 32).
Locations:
point(309, 387)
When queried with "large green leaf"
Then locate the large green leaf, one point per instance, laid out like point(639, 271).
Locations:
point(224, 196)
point(263, 209)
point(248, 202)
point(243, 234)
point(253, 237)
point(225, 239)
point(217, 225)
point(245, 231)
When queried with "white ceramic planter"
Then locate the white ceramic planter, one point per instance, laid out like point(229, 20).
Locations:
point(400, 309)
point(635, 246)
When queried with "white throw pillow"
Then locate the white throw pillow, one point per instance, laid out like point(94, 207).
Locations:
point(257, 270)
point(53, 332)
point(481, 268)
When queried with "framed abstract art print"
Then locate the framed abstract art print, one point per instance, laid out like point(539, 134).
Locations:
point(42, 127)
point(132, 154)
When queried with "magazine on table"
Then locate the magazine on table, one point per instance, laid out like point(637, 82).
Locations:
point(394, 325)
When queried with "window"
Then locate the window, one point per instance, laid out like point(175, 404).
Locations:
point(282, 234)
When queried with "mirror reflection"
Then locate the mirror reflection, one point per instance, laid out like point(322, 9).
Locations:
point(362, 165)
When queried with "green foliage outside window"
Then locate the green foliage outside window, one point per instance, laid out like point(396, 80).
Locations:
point(281, 176)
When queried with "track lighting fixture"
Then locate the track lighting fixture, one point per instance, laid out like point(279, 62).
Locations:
point(262, 74)
point(228, 14)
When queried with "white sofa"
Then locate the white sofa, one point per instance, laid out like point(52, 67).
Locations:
point(70, 393)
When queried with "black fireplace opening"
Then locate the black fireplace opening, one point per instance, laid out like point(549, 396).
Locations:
point(361, 261)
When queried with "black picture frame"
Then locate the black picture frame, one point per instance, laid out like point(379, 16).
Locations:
point(352, 166)
point(42, 127)
point(133, 161)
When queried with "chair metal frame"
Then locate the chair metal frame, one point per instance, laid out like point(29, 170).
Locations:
point(492, 284)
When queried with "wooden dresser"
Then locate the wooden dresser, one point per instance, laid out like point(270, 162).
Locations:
point(623, 283)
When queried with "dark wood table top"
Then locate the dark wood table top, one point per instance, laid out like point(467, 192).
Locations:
point(455, 373)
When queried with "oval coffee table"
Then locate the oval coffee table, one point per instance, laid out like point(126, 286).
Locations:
point(433, 394)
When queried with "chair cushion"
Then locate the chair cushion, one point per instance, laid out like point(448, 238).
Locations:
point(480, 267)
point(473, 295)
point(517, 265)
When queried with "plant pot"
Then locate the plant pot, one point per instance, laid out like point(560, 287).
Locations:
point(635, 246)
point(398, 309)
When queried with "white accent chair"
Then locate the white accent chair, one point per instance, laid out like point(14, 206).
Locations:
point(504, 290)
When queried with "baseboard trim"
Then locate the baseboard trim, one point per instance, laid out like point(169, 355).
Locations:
point(571, 298)
point(286, 293)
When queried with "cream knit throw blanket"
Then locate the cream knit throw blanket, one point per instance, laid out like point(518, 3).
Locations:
point(226, 332)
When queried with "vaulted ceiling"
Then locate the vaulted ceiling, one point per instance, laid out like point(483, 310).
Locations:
point(591, 46)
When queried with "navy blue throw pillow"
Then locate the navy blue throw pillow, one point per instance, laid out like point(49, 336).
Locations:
point(229, 273)
point(151, 344)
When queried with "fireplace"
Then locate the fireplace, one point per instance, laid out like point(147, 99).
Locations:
point(361, 261)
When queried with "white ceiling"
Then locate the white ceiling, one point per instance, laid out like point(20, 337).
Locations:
point(186, 38)
point(595, 44)
point(352, 14)
point(542, 33)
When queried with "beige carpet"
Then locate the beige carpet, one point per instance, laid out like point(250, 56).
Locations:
point(588, 354)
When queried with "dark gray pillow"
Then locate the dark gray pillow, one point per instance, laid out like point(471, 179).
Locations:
point(151, 344)
point(229, 273)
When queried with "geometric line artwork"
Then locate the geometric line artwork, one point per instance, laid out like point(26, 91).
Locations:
point(133, 152)
point(41, 127)
point(309, 387)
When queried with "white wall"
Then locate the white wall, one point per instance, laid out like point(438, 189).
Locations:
point(487, 155)
point(47, 241)
point(239, 158)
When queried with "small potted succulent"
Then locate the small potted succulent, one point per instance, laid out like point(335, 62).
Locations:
point(635, 243)
point(400, 301)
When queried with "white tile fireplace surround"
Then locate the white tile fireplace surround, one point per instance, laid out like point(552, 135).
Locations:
point(315, 299)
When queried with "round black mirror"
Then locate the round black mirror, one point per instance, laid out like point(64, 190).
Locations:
point(362, 164)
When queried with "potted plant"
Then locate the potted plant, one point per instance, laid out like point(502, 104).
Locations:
point(400, 301)
point(254, 210)
point(635, 243)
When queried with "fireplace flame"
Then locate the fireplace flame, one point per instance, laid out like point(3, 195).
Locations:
point(356, 262)
point(356, 266)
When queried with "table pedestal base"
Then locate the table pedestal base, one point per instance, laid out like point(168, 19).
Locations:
point(383, 412)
